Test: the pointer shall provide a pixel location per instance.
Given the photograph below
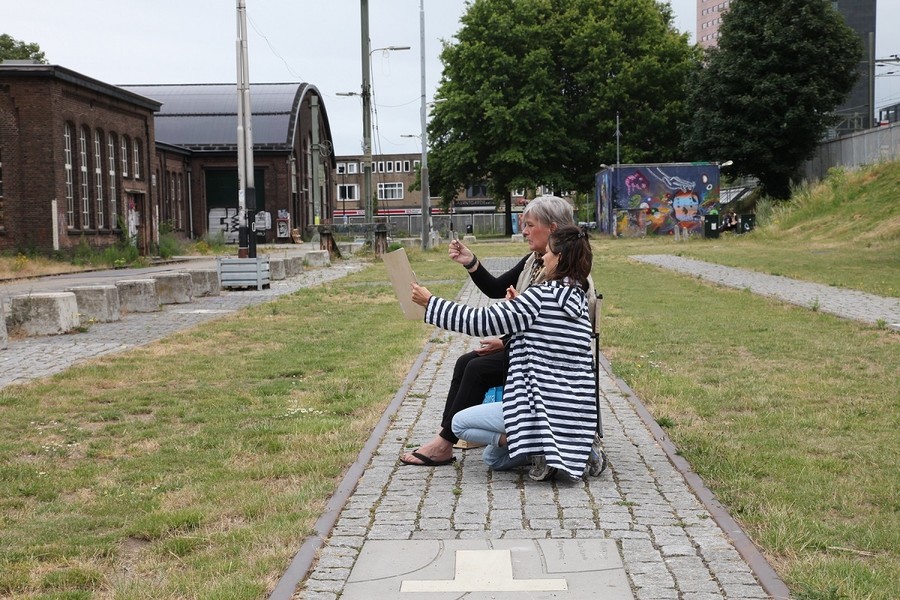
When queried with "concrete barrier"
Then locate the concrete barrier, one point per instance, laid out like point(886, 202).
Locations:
point(277, 269)
point(174, 288)
point(296, 265)
point(318, 258)
point(4, 338)
point(469, 239)
point(517, 237)
point(98, 303)
point(137, 295)
point(48, 313)
point(204, 282)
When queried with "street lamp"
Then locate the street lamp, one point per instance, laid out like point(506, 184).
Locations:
point(367, 104)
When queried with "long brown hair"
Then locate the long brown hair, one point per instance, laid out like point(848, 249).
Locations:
point(572, 245)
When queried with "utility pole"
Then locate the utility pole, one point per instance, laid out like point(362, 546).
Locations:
point(246, 189)
point(367, 111)
point(423, 173)
point(316, 161)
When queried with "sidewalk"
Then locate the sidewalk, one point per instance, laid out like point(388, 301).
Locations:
point(844, 303)
point(637, 531)
point(32, 357)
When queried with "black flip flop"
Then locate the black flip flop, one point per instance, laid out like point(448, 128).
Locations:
point(427, 461)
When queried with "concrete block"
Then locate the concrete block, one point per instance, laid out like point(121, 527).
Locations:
point(276, 269)
point(4, 338)
point(296, 265)
point(98, 303)
point(48, 313)
point(517, 237)
point(469, 239)
point(318, 258)
point(205, 282)
point(174, 288)
point(137, 295)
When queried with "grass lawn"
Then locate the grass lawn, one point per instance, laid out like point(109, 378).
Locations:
point(789, 415)
point(194, 467)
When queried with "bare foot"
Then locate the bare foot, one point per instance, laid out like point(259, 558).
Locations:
point(438, 450)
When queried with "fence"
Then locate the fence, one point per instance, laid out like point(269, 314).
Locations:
point(411, 225)
point(863, 148)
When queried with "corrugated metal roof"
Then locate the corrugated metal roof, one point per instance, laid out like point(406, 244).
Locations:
point(204, 116)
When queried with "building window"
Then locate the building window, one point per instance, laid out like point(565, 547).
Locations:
point(124, 156)
point(348, 191)
point(389, 166)
point(99, 179)
point(416, 164)
point(380, 166)
point(179, 197)
point(173, 200)
point(390, 191)
point(406, 166)
point(341, 168)
point(111, 172)
point(397, 166)
point(85, 186)
point(70, 179)
point(352, 168)
point(478, 190)
point(137, 158)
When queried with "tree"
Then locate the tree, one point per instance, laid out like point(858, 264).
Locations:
point(11, 48)
point(531, 90)
point(766, 95)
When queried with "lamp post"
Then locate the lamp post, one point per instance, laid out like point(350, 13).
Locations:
point(246, 189)
point(367, 104)
point(423, 172)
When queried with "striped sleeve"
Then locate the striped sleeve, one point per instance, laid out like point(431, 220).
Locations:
point(499, 318)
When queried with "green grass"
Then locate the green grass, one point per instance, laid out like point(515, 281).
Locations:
point(194, 467)
point(790, 416)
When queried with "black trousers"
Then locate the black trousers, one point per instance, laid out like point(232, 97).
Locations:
point(473, 375)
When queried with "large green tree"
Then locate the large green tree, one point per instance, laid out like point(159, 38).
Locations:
point(11, 48)
point(767, 93)
point(531, 89)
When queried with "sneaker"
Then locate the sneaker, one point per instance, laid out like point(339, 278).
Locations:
point(597, 460)
point(539, 470)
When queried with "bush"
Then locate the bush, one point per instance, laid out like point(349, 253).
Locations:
point(169, 245)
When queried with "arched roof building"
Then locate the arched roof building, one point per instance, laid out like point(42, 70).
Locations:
point(197, 155)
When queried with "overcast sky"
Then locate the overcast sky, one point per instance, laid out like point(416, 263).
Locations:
point(193, 41)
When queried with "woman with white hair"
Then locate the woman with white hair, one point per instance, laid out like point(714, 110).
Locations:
point(478, 371)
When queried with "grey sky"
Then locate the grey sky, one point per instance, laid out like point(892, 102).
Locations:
point(193, 41)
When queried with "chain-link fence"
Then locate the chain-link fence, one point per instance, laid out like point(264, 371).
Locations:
point(401, 226)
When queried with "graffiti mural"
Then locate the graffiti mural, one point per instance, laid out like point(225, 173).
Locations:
point(656, 199)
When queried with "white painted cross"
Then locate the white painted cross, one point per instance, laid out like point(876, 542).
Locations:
point(484, 571)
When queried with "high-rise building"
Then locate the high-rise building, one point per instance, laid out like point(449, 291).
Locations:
point(857, 112)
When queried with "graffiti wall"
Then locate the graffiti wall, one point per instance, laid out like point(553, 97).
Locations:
point(655, 199)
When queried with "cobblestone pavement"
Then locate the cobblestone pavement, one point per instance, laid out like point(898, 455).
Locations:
point(671, 545)
point(32, 357)
point(848, 304)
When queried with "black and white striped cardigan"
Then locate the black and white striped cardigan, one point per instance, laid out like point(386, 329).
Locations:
point(549, 406)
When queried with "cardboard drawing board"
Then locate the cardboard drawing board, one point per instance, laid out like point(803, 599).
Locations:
point(401, 275)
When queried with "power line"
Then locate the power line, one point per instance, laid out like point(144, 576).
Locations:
point(273, 50)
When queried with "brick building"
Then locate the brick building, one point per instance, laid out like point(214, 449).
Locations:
point(76, 156)
point(82, 161)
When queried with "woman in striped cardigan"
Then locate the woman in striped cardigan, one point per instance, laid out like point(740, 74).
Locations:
point(549, 408)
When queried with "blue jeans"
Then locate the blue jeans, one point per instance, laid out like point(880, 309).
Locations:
point(483, 424)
